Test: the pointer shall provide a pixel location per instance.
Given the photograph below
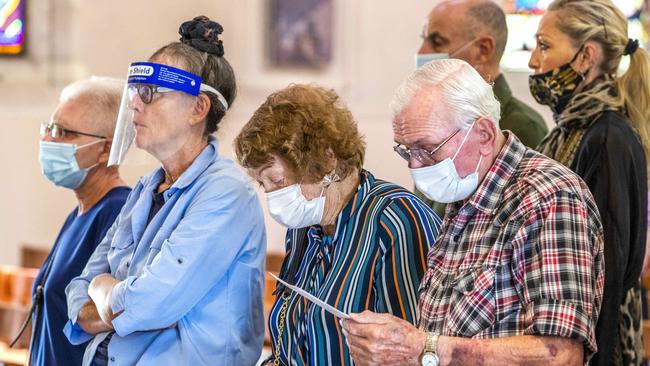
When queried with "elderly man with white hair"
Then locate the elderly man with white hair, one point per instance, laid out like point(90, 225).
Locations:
point(516, 275)
point(74, 150)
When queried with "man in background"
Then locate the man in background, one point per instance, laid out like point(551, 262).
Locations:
point(74, 150)
point(475, 31)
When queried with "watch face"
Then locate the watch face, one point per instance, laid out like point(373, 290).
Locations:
point(430, 359)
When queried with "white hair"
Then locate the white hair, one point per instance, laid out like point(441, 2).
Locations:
point(463, 91)
point(104, 94)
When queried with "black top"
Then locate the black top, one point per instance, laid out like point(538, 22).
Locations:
point(158, 202)
point(611, 160)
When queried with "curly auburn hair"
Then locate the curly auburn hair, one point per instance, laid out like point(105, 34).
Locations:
point(298, 124)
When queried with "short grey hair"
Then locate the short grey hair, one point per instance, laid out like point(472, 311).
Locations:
point(491, 17)
point(102, 95)
point(464, 92)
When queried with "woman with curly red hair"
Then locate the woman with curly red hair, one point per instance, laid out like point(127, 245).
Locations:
point(354, 241)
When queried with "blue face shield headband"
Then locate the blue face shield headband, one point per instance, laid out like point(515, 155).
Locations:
point(169, 77)
point(145, 79)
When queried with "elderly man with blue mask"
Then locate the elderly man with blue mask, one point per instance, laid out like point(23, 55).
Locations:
point(74, 151)
point(516, 275)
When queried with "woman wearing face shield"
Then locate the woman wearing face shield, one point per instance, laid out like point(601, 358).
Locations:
point(354, 241)
point(178, 279)
point(601, 134)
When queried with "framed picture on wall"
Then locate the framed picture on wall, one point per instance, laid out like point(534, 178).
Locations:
point(300, 33)
point(12, 27)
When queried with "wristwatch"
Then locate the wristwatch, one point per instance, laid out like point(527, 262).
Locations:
point(430, 357)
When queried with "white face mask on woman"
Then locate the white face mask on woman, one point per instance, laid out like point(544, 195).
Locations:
point(289, 207)
point(441, 182)
point(292, 209)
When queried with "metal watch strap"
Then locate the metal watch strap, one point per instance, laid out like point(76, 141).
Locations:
point(431, 345)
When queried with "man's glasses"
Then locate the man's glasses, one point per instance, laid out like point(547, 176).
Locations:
point(146, 91)
point(423, 156)
point(55, 131)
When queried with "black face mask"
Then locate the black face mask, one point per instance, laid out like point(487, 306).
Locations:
point(555, 87)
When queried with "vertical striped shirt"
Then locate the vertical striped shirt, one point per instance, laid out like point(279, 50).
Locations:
point(374, 261)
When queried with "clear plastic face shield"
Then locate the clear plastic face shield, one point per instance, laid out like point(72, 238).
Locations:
point(145, 79)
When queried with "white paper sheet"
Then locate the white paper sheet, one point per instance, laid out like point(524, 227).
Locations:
point(329, 308)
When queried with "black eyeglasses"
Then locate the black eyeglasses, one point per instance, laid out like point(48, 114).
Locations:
point(55, 131)
point(423, 156)
point(146, 91)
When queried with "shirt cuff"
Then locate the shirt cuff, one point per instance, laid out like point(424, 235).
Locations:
point(124, 324)
point(561, 318)
point(77, 297)
point(119, 293)
point(75, 334)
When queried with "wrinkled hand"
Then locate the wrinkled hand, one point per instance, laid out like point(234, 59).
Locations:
point(100, 290)
point(383, 339)
point(90, 321)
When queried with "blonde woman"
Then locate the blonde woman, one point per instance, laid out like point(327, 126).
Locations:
point(601, 134)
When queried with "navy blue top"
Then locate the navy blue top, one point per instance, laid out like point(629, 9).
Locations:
point(76, 241)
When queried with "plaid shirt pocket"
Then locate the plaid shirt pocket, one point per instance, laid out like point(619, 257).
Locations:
point(472, 306)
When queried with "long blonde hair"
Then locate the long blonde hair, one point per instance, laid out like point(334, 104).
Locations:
point(602, 22)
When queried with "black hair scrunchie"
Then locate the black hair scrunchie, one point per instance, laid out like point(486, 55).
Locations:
point(631, 47)
point(202, 34)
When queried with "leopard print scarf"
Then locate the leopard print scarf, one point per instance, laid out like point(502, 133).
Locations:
point(580, 113)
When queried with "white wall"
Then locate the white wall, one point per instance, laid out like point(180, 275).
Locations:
point(373, 52)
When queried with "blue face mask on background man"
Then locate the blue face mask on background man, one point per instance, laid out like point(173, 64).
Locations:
point(59, 163)
point(421, 59)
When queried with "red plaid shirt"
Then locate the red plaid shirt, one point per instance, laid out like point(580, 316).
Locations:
point(524, 256)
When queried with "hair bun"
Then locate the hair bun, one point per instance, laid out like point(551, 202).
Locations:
point(202, 34)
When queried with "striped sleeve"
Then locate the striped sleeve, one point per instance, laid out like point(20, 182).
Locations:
point(407, 229)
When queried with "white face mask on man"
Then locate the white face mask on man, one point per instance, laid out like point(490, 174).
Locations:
point(441, 183)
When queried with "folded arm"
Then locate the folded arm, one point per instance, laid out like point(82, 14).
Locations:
point(198, 253)
point(90, 321)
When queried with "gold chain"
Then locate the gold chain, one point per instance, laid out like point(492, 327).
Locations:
point(281, 321)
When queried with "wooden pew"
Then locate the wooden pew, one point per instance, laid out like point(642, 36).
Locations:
point(15, 300)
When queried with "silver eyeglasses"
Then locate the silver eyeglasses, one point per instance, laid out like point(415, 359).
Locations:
point(422, 155)
point(55, 131)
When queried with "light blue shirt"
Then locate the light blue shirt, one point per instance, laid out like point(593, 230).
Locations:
point(199, 263)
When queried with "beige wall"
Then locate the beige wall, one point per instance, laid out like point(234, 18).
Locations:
point(374, 45)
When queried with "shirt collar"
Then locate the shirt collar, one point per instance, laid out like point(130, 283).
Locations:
point(490, 192)
point(502, 90)
point(198, 166)
point(365, 184)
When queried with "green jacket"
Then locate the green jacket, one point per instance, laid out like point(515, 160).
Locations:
point(522, 120)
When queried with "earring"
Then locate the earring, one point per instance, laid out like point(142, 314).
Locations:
point(489, 80)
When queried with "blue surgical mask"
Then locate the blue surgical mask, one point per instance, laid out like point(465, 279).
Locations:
point(59, 163)
point(421, 59)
